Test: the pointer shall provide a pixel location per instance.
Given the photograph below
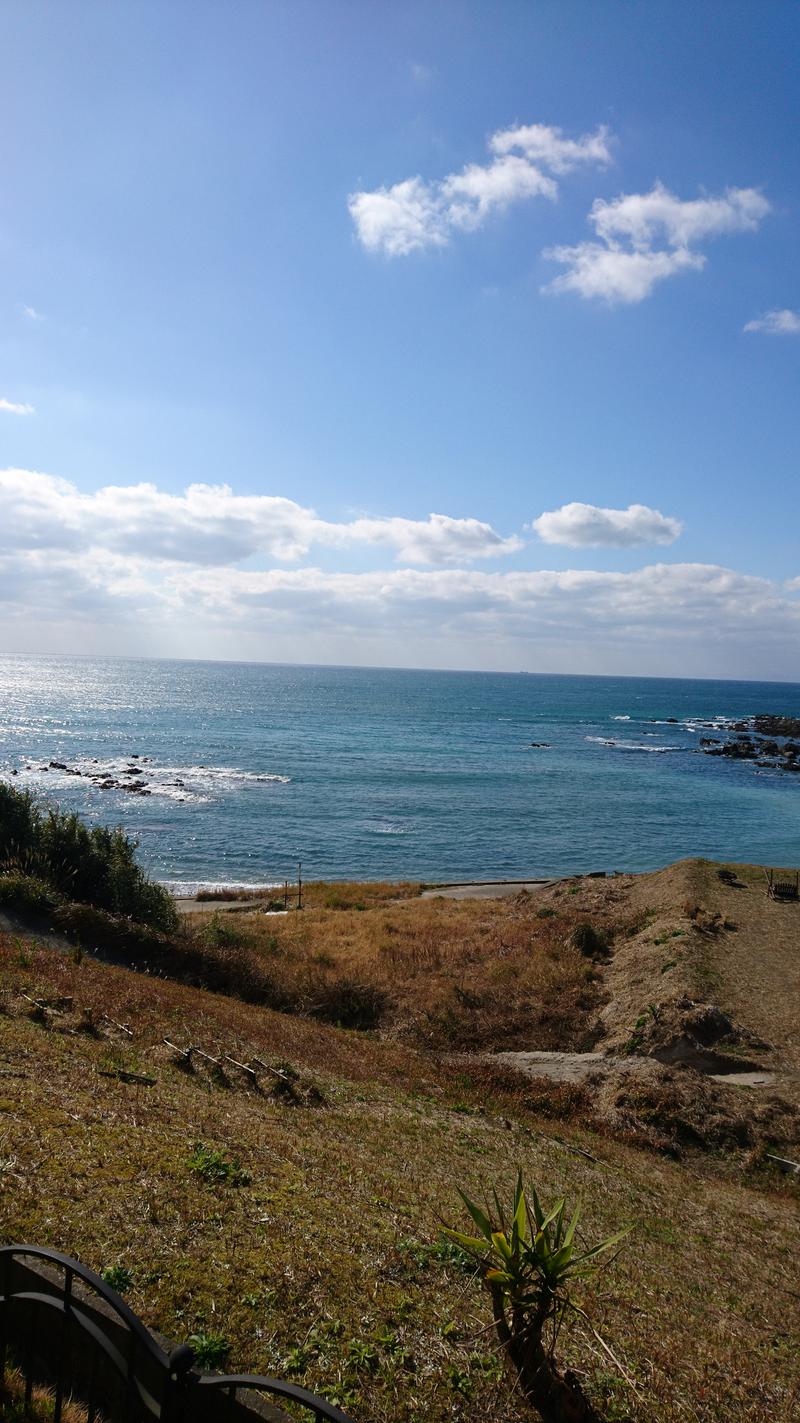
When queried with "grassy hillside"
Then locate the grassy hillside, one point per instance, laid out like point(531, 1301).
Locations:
point(299, 1225)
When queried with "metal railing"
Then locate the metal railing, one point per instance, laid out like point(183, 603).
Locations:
point(63, 1328)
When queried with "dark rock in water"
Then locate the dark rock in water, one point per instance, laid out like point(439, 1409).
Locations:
point(540, 745)
point(57, 766)
point(133, 771)
point(672, 721)
point(768, 724)
point(15, 772)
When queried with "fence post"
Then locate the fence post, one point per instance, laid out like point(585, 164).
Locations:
point(177, 1384)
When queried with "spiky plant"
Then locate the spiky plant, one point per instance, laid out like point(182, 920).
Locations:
point(528, 1261)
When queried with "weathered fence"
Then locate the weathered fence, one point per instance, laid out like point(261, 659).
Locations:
point(65, 1329)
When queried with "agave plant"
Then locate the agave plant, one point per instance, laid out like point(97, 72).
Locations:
point(528, 1260)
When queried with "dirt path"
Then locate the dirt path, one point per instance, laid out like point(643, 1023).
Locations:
point(757, 963)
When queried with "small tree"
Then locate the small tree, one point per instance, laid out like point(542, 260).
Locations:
point(528, 1263)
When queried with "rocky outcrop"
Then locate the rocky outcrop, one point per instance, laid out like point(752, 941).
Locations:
point(764, 739)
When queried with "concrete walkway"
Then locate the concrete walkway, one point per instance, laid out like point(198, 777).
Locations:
point(486, 889)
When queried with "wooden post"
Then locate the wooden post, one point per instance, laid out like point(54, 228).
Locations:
point(286, 894)
point(299, 884)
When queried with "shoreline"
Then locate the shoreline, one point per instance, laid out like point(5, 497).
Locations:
point(444, 889)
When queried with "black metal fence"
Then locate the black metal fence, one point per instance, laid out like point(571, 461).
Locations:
point(63, 1328)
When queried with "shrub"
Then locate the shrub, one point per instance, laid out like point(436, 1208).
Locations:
point(118, 1277)
point(528, 1261)
point(216, 1167)
point(27, 892)
point(94, 865)
point(97, 929)
point(591, 942)
point(347, 1002)
point(220, 933)
point(210, 1350)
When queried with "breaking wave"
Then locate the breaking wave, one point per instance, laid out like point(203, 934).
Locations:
point(630, 745)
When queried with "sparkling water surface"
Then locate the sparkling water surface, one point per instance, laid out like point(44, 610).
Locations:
point(396, 774)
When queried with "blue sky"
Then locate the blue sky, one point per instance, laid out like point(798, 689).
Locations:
point(192, 293)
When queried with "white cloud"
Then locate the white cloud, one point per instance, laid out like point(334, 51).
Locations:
point(646, 237)
point(541, 144)
point(643, 218)
point(31, 313)
point(594, 270)
point(15, 407)
point(470, 196)
point(777, 323)
point(151, 571)
point(400, 219)
point(414, 214)
point(210, 525)
point(660, 619)
point(681, 597)
point(587, 526)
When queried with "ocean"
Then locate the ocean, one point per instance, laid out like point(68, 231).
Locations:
point(386, 774)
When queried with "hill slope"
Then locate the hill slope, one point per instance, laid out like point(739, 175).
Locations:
point(319, 1253)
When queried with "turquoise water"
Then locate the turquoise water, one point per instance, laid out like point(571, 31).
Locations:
point(372, 774)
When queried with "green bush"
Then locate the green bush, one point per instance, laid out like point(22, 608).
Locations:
point(97, 929)
point(94, 865)
point(216, 1167)
point(220, 933)
point(210, 1350)
point(589, 941)
point(27, 892)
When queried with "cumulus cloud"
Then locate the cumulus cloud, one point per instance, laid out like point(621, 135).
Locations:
point(613, 274)
point(414, 214)
point(643, 238)
point(777, 323)
point(15, 407)
point(587, 526)
point(210, 525)
point(643, 218)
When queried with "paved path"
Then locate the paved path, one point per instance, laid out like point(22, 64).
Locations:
point(213, 906)
point(485, 889)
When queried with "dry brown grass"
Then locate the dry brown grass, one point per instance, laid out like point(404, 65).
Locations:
point(40, 1410)
point(443, 973)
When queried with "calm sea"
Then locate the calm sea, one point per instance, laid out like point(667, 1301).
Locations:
point(391, 774)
